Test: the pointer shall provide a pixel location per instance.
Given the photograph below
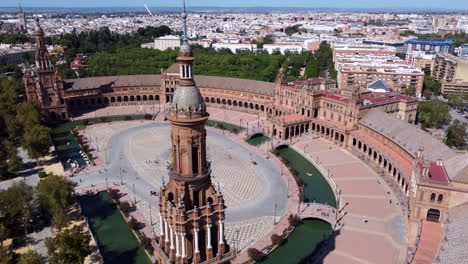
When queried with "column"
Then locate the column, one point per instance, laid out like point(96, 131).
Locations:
point(221, 232)
point(166, 232)
point(161, 225)
point(184, 253)
point(196, 241)
point(177, 244)
point(208, 229)
point(172, 238)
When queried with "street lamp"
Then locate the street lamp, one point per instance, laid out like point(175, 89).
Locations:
point(134, 193)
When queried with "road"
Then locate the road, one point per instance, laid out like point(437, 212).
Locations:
point(456, 116)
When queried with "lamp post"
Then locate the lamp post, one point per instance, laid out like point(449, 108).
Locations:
point(274, 219)
point(134, 193)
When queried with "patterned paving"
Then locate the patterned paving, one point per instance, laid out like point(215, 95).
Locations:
point(237, 186)
point(148, 152)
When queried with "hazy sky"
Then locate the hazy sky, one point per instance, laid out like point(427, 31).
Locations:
point(422, 4)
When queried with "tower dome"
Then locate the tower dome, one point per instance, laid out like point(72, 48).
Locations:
point(38, 29)
point(187, 97)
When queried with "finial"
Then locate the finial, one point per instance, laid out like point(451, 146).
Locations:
point(184, 20)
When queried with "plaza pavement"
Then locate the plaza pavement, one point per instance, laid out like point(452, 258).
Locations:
point(364, 196)
point(138, 152)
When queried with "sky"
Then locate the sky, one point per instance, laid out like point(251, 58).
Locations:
point(420, 4)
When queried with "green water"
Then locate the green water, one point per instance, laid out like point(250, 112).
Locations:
point(116, 241)
point(225, 126)
point(257, 139)
point(316, 188)
point(301, 243)
point(307, 235)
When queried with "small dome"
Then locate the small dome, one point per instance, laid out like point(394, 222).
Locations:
point(38, 28)
point(186, 97)
point(185, 47)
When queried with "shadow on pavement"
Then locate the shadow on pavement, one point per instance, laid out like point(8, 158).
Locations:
point(322, 250)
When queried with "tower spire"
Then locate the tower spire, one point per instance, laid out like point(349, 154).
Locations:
point(184, 27)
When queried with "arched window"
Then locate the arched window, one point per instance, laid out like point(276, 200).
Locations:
point(433, 196)
point(440, 198)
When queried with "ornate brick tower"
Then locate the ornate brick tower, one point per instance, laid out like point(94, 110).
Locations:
point(191, 209)
point(43, 84)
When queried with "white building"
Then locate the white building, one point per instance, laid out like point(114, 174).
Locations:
point(235, 47)
point(284, 47)
point(163, 43)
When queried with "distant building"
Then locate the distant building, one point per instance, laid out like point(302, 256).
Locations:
point(379, 86)
point(163, 43)
point(78, 63)
point(283, 48)
point(452, 73)
point(420, 59)
point(463, 52)
point(398, 45)
point(434, 45)
point(362, 65)
point(235, 47)
point(22, 21)
point(449, 68)
point(362, 50)
point(14, 54)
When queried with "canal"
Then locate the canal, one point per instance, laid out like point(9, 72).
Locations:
point(115, 239)
point(257, 139)
point(307, 235)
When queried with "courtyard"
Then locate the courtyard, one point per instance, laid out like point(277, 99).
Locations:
point(135, 154)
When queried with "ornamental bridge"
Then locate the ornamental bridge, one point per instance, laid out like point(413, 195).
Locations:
point(320, 211)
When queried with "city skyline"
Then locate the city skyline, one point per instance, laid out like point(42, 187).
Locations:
point(339, 4)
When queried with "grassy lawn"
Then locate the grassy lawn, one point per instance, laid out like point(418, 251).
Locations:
point(116, 241)
point(225, 126)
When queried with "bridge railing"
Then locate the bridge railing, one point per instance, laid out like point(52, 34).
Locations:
point(321, 205)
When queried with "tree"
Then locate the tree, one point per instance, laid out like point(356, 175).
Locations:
point(456, 101)
point(55, 195)
point(294, 220)
point(31, 257)
point(430, 87)
point(5, 255)
point(276, 239)
point(312, 69)
point(411, 91)
point(434, 113)
point(16, 205)
point(70, 246)
point(255, 254)
point(457, 135)
point(36, 141)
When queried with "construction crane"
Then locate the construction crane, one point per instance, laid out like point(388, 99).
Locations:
point(147, 9)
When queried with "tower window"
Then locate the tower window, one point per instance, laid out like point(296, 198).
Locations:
point(195, 160)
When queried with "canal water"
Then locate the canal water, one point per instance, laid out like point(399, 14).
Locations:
point(307, 235)
point(115, 239)
point(257, 139)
